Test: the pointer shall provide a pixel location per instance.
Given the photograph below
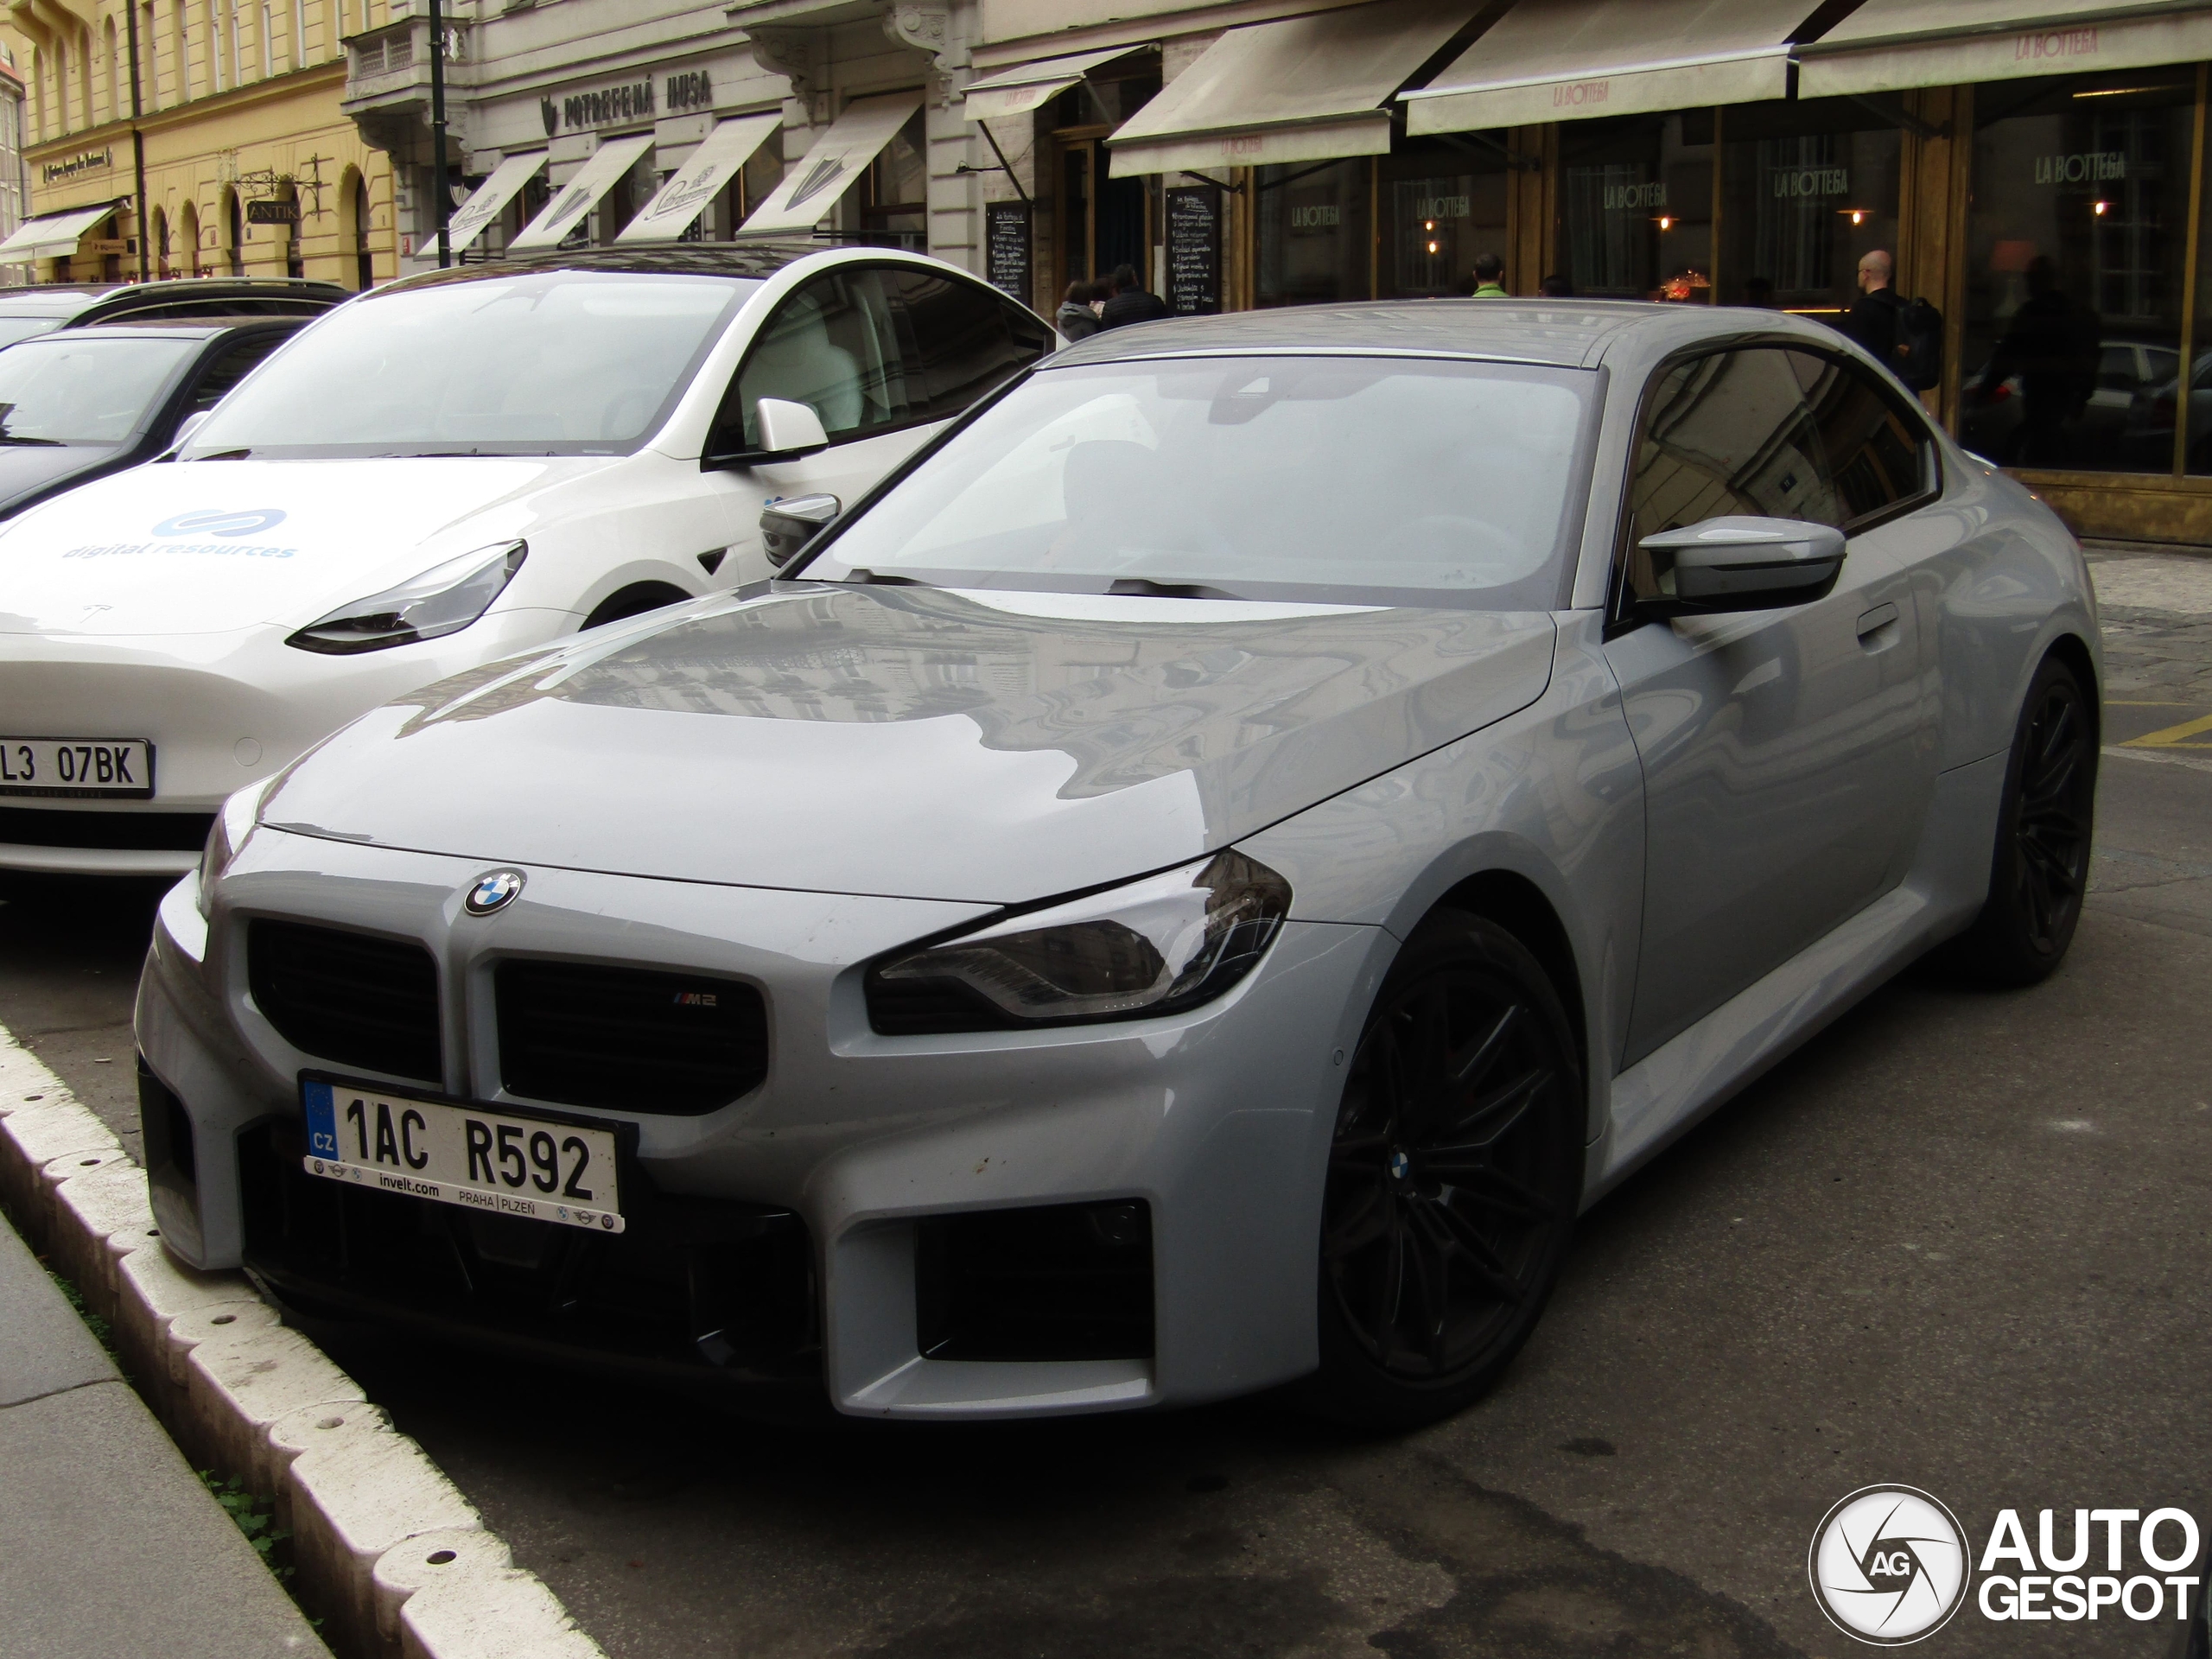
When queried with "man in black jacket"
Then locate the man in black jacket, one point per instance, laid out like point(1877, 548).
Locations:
point(1130, 303)
point(1873, 318)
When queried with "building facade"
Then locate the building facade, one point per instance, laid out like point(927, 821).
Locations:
point(212, 130)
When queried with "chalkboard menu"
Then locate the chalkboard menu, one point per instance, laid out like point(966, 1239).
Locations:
point(1006, 247)
point(1193, 250)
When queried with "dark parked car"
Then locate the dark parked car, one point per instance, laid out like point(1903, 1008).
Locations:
point(28, 311)
point(2111, 427)
point(77, 404)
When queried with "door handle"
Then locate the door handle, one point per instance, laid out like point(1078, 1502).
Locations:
point(1879, 627)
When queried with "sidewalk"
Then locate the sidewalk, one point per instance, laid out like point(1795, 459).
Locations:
point(110, 1548)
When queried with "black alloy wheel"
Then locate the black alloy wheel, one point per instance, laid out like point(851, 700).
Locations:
point(1453, 1178)
point(2040, 871)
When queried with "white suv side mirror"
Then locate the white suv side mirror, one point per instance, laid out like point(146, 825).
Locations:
point(789, 429)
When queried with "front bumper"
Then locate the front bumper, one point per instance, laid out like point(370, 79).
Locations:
point(857, 1156)
point(221, 710)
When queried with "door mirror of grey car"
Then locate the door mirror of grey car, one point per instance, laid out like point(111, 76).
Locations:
point(1742, 564)
point(788, 428)
point(190, 424)
point(789, 523)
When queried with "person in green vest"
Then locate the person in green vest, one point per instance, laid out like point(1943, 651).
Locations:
point(1490, 278)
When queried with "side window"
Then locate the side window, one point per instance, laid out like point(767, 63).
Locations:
point(967, 338)
point(1875, 454)
point(231, 368)
point(833, 346)
point(1730, 433)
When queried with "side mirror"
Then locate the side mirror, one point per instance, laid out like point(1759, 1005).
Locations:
point(1745, 563)
point(789, 523)
point(789, 429)
point(190, 424)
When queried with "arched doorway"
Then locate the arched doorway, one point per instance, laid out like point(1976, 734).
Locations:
point(158, 243)
point(234, 230)
point(353, 229)
point(188, 237)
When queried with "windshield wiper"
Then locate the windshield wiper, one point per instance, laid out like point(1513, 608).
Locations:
point(1144, 587)
point(43, 444)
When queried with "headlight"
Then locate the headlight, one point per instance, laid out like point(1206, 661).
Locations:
point(228, 833)
point(444, 598)
point(1154, 947)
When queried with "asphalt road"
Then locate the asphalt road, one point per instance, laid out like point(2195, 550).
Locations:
point(1959, 1242)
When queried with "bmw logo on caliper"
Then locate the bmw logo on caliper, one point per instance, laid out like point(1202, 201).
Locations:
point(493, 890)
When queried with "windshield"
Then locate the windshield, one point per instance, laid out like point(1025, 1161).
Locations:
point(1357, 479)
point(549, 362)
point(14, 328)
point(75, 387)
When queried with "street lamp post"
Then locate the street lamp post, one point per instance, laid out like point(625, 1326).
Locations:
point(440, 202)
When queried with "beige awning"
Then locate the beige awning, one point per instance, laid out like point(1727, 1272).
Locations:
point(1888, 46)
point(692, 186)
point(53, 236)
point(1304, 89)
point(1017, 91)
point(581, 193)
point(1562, 60)
point(813, 184)
point(491, 196)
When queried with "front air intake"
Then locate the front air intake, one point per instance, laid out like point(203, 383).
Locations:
point(351, 999)
point(631, 1040)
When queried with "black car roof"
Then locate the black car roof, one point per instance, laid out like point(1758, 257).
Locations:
point(225, 296)
point(175, 327)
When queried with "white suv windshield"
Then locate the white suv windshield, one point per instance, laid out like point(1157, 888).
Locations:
point(79, 386)
point(552, 363)
point(1362, 479)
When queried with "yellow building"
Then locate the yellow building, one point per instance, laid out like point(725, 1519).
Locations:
point(241, 132)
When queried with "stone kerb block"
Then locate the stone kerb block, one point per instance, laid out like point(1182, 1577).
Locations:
point(32, 1139)
point(503, 1614)
point(103, 1215)
point(355, 1492)
point(153, 1289)
point(444, 1558)
point(237, 1387)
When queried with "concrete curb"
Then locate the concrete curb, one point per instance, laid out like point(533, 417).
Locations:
point(388, 1550)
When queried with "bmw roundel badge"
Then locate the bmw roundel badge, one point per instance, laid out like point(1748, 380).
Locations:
point(493, 890)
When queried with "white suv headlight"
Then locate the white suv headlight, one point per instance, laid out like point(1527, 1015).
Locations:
point(444, 598)
point(1155, 946)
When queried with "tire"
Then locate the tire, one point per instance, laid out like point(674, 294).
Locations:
point(2040, 868)
point(1454, 1174)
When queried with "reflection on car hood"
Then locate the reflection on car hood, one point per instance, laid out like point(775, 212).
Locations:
point(206, 546)
point(27, 469)
point(914, 742)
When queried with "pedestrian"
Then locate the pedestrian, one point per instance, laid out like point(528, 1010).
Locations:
point(1131, 303)
point(1556, 287)
point(1076, 318)
point(1872, 319)
point(1490, 278)
point(2053, 345)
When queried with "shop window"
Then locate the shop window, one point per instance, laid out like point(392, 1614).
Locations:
point(627, 198)
point(894, 198)
point(2075, 258)
point(1636, 206)
point(1806, 191)
point(1314, 244)
point(1442, 209)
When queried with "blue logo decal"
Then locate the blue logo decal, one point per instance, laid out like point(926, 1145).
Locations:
point(492, 890)
point(222, 521)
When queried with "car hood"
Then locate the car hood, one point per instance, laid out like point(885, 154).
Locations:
point(27, 469)
point(915, 742)
point(207, 546)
